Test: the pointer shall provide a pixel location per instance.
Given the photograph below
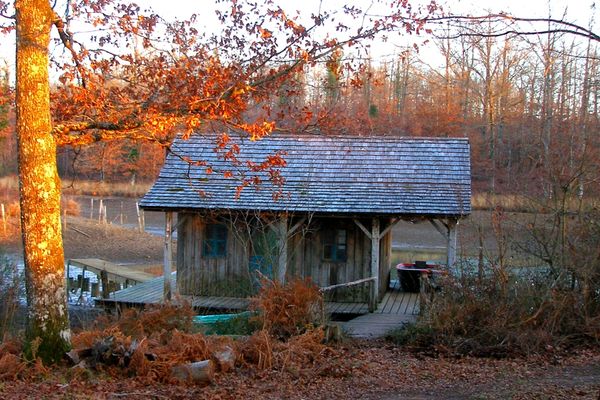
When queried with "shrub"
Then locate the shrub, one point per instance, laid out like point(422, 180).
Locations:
point(493, 317)
point(288, 310)
point(71, 207)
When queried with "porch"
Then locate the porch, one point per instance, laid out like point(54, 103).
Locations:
point(394, 302)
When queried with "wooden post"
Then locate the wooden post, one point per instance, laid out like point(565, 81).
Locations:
point(451, 243)
point(95, 290)
point(282, 236)
point(105, 288)
point(100, 209)
point(91, 208)
point(139, 216)
point(143, 220)
point(168, 254)
point(375, 237)
point(68, 280)
point(81, 283)
point(3, 217)
point(121, 215)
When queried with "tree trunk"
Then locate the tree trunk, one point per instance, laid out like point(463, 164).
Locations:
point(39, 184)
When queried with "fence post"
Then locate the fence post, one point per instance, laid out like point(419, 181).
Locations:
point(91, 208)
point(137, 212)
point(3, 217)
point(100, 209)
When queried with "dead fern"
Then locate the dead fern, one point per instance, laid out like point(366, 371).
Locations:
point(288, 310)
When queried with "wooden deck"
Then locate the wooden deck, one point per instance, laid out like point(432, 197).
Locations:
point(396, 309)
point(116, 273)
point(151, 292)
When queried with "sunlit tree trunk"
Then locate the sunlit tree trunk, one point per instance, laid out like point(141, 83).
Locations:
point(48, 324)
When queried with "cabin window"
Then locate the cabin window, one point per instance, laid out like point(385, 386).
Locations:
point(334, 245)
point(215, 241)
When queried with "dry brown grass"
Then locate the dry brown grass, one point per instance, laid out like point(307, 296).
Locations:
point(93, 188)
point(521, 203)
point(71, 207)
point(13, 210)
point(9, 183)
point(78, 187)
point(496, 317)
point(486, 201)
point(10, 225)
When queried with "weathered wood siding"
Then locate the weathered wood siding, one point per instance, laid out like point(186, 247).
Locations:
point(306, 258)
point(230, 275)
point(209, 276)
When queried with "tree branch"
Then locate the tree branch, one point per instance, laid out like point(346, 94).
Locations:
point(67, 41)
point(569, 27)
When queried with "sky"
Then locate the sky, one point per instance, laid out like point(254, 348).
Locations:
point(578, 11)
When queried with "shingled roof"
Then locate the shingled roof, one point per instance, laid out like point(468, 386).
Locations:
point(324, 174)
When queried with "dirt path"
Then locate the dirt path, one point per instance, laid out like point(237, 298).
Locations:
point(554, 382)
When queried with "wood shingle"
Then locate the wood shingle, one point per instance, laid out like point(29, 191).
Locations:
point(323, 175)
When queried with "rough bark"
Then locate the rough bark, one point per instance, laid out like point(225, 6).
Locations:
point(48, 325)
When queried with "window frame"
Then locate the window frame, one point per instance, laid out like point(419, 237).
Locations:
point(214, 240)
point(334, 245)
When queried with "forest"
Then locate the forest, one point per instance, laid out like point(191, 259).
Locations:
point(523, 104)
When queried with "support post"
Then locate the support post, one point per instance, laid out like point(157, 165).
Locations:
point(375, 237)
point(68, 277)
point(105, 285)
point(168, 255)
point(282, 235)
point(451, 243)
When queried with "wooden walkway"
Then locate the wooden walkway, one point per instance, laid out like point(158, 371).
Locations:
point(395, 310)
point(151, 292)
point(116, 273)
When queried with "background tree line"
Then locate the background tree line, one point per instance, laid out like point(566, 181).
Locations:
point(524, 103)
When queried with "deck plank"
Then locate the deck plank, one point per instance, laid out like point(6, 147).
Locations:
point(375, 325)
point(116, 272)
point(399, 300)
point(385, 307)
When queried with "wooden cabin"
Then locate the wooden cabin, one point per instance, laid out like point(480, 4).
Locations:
point(326, 214)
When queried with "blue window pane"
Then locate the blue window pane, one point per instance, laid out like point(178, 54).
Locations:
point(334, 245)
point(215, 241)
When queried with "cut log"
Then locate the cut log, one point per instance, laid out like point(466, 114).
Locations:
point(225, 359)
point(199, 373)
point(333, 333)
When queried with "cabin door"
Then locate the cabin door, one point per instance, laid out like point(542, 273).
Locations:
point(263, 254)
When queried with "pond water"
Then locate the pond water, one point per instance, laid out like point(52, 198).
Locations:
point(13, 264)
